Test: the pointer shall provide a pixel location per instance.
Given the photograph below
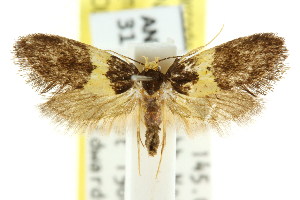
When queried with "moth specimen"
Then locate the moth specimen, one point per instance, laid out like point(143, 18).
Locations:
point(91, 88)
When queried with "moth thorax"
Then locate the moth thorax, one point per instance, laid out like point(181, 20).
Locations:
point(157, 78)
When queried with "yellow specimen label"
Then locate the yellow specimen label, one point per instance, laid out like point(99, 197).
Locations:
point(194, 16)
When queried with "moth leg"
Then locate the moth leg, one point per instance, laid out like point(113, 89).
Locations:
point(138, 136)
point(164, 132)
point(140, 139)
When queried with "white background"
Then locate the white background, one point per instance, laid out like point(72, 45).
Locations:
point(259, 161)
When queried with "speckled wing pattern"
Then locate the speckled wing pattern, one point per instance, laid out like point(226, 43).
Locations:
point(86, 84)
point(225, 83)
point(90, 88)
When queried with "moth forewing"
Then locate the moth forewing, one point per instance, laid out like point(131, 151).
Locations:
point(225, 83)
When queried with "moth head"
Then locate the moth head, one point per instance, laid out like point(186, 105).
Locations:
point(151, 65)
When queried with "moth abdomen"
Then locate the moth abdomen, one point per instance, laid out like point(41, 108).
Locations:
point(152, 122)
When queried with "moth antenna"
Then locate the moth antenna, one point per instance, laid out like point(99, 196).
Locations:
point(139, 124)
point(169, 58)
point(196, 50)
point(215, 36)
point(125, 57)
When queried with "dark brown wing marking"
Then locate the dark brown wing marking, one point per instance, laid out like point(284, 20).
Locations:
point(119, 74)
point(180, 77)
point(53, 62)
point(250, 63)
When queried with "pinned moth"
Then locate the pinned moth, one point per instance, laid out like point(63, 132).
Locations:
point(91, 88)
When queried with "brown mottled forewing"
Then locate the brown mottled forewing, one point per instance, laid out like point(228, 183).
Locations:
point(88, 84)
point(53, 62)
point(224, 84)
point(250, 63)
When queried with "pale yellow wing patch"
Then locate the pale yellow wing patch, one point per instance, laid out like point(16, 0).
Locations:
point(98, 82)
point(206, 84)
point(193, 76)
